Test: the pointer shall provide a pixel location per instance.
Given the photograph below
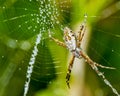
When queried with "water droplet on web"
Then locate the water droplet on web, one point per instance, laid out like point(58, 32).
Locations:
point(3, 7)
point(25, 8)
point(33, 19)
point(34, 30)
point(112, 50)
point(19, 26)
point(26, 22)
point(19, 69)
point(32, 14)
point(50, 82)
point(57, 22)
point(16, 41)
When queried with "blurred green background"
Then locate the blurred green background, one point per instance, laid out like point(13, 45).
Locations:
point(18, 31)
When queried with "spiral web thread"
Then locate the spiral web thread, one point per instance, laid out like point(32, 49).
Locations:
point(47, 18)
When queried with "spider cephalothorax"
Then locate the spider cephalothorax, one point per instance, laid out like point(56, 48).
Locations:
point(70, 39)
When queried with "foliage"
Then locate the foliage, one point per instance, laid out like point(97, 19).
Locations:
point(19, 28)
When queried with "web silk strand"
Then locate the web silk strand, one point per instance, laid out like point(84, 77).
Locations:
point(31, 64)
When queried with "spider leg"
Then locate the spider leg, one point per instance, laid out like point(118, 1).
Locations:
point(100, 74)
point(106, 67)
point(91, 62)
point(83, 29)
point(57, 41)
point(81, 34)
point(69, 71)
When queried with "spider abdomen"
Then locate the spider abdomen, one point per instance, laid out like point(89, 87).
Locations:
point(76, 53)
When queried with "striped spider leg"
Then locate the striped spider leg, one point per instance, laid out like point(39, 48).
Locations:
point(73, 44)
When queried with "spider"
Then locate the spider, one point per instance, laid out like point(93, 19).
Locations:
point(73, 42)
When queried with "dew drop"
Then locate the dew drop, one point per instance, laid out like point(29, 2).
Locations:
point(112, 50)
point(19, 26)
point(3, 7)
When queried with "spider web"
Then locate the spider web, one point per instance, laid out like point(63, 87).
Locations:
point(20, 23)
point(106, 49)
point(24, 24)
